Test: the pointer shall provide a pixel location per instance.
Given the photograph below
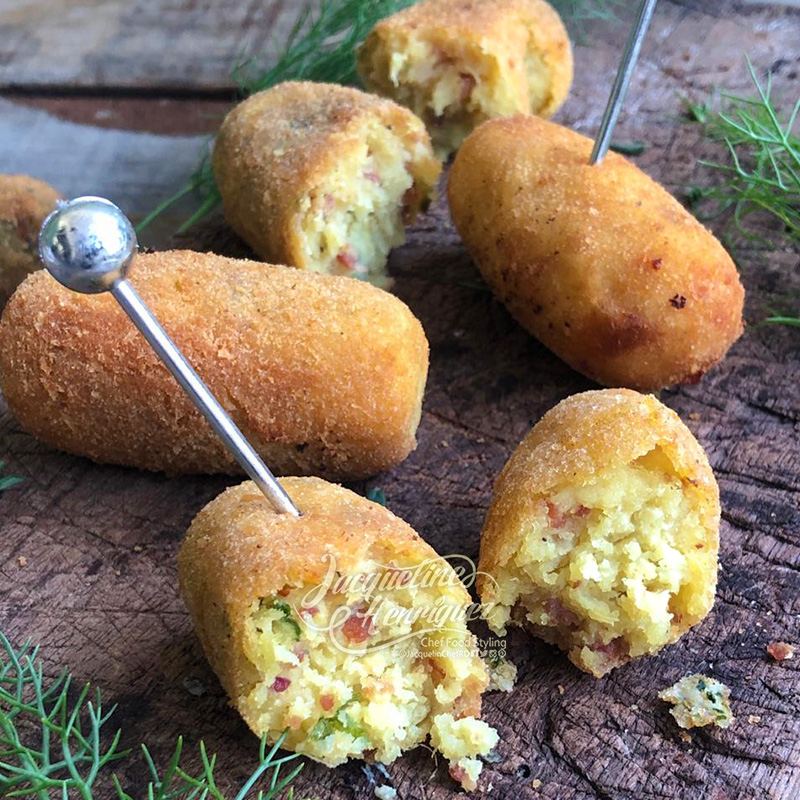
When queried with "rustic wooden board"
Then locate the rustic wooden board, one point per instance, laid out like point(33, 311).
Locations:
point(98, 585)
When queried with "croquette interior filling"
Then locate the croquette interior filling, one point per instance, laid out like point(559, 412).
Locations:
point(357, 216)
point(453, 88)
point(354, 675)
point(606, 569)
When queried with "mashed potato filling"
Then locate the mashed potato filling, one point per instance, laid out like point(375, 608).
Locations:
point(351, 674)
point(352, 220)
point(454, 87)
point(607, 569)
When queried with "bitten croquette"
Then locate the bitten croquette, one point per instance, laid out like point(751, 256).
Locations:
point(324, 177)
point(24, 204)
point(341, 627)
point(602, 536)
point(457, 63)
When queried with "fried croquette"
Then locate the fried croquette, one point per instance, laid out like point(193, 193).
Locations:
point(457, 63)
point(324, 177)
point(341, 627)
point(602, 535)
point(24, 204)
point(323, 374)
point(599, 262)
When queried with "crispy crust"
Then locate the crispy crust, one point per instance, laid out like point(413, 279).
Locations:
point(238, 550)
point(324, 375)
point(278, 145)
point(492, 25)
point(599, 263)
point(581, 436)
point(24, 203)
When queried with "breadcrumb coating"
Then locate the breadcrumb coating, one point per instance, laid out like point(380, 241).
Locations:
point(324, 375)
point(598, 262)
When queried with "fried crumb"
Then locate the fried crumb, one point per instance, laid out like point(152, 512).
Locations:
point(22, 561)
point(780, 651)
point(685, 737)
point(385, 793)
point(536, 783)
point(560, 689)
point(698, 701)
point(137, 548)
point(694, 416)
point(753, 719)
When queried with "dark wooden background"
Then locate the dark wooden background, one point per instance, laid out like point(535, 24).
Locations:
point(114, 98)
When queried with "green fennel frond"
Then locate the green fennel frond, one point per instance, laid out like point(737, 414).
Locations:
point(54, 743)
point(7, 481)
point(761, 174)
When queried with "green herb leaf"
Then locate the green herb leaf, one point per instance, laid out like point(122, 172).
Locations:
point(629, 148)
point(289, 619)
point(7, 481)
point(377, 496)
point(340, 722)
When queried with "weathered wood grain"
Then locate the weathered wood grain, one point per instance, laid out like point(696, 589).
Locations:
point(98, 588)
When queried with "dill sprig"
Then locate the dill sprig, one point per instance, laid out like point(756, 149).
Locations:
point(54, 743)
point(762, 172)
point(320, 47)
point(7, 481)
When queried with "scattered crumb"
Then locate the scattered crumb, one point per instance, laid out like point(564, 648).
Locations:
point(502, 676)
point(560, 689)
point(694, 415)
point(685, 736)
point(137, 548)
point(781, 651)
point(753, 719)
point(118, 572)
point(22, 561)
point(445, 443)
point(385, 793)
point(634, 707)
point(536, 783)
point(699, 700)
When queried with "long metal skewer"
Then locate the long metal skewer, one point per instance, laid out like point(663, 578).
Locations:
point(88, 245)
point(623, 79)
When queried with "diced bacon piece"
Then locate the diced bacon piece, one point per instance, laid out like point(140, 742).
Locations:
point(284, 592)
point(467, 85)
point(280, 684)
point(559, 614)
point(558, 519)
point(372, 176)
point(327, 702)
point(347, 258)
point(358, 627)
point(780, 651)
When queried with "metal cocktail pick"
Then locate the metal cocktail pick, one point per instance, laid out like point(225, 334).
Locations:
point(623, 79)
point(88, 245)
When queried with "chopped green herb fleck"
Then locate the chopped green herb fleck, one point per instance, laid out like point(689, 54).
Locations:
point(629, 148)
point(377, 496)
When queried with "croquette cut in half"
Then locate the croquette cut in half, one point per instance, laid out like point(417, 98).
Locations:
point(324, 375)
point(24, 204)
point(602, 535)
point(324, 177)
point(457, 63)
point(341, 627)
